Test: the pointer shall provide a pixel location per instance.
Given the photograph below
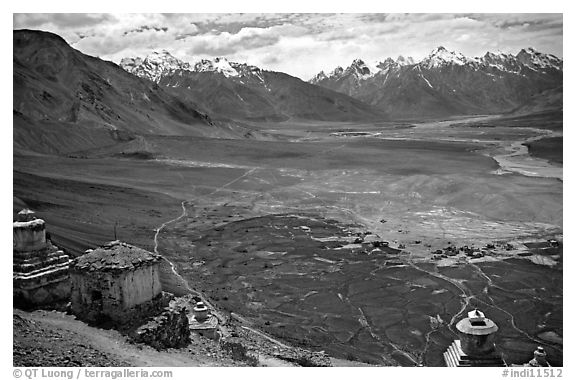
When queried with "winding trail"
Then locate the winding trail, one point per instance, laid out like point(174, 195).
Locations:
point(182, 279)
point(198, 293)
point(184, 214)
point(172, 266)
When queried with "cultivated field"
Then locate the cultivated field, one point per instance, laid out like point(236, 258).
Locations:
point(269, 229)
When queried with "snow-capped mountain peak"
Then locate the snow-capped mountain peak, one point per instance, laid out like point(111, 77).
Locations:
point(402, 61)
point(390, 62)
point(154, 66)
point(337, 72)
point(500, 61)
point(319, 77)
point(159, 64)
point(499, 56)
point(537, 60)
point(130, 63)
point(361, 69)
point(219, 64)
point(386, 64)
point(442, 57)
point(246, 70)
point(161, 57)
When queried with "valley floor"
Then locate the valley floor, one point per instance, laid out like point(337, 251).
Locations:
point(266, 229)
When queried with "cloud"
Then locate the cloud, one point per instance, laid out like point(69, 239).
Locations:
point(234, 24)
point(145, 28)
point(59, 20)
point(299, 44)
point(245, 39)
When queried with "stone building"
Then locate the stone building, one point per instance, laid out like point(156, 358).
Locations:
point(475, 348)
point(40, 269)
point(116, 282)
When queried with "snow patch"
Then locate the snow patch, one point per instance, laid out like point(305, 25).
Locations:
point(426, 80)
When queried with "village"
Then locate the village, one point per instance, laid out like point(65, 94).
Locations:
point(118, 285)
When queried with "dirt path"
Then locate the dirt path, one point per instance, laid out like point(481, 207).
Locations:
point(183, 281)
point(184, 214)
point(114, 344)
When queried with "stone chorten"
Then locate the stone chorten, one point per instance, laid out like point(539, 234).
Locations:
point(475, 348)
point(203, 322)
point(40, 269)
point(539, 359)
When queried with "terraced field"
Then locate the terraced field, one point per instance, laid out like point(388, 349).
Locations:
point(302, 278)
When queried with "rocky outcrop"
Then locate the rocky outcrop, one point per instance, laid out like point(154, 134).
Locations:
point(305, 358)
point(170, 329)
point(236, 348)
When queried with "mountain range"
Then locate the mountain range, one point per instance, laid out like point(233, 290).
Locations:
point(447, 83)
point(240, 91)
point(66, 101)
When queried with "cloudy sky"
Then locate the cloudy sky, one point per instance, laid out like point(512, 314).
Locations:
point(299, 44)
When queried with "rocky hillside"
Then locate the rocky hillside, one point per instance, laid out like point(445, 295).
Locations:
point(56, 339)
point(242, 91)
point(447, 83)
point(43, 338)
point(65, 101)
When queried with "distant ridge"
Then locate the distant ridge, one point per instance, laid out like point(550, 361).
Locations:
point(447, 83)
point(242, 91)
